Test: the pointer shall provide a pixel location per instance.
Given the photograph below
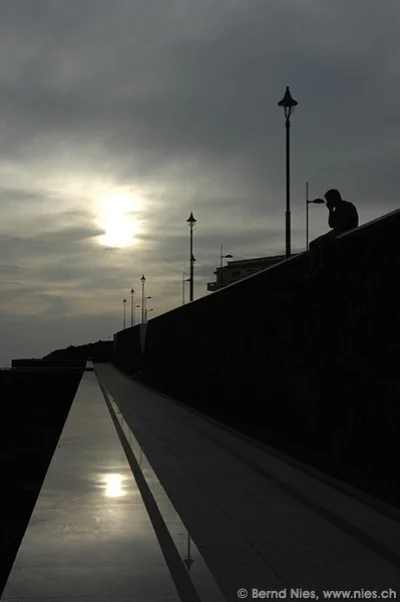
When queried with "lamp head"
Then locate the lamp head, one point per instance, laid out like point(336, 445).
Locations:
point(191, 219)
point(288, 103)
point(142, 278)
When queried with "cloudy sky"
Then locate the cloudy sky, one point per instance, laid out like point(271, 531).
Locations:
point(120, 117)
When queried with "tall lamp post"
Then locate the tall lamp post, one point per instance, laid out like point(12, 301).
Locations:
point(221, 257)
point(124, 320)
point(288, 103)
point(132, 293)
point(134, 312)
point(143, 280)
point(308, 202)
point(191, 221)
point(183, 287)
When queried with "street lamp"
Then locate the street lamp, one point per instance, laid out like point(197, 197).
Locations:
point(191, 221)
point(183, 287)
point(134, 312)
point(288, 103)
point(145, 307)
point(124, 320)
point(143, 280)
point(146, 312)
point(308, 202)
point(222, 256)
point(132, 293)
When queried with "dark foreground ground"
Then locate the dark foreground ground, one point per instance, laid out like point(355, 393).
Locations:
point(34, 407)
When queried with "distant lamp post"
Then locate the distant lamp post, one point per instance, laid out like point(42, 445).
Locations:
point(308, 202)
point(221, 257)
point(191, 221)
point(132, 293)
point(145, 308)
point(183, 287)
point(124, 319)
point(143, 280)
point(134, 312)
point(146, 312)
point(288, 103)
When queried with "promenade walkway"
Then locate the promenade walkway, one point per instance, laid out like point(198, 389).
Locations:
point(90, 537)
point(206, 513)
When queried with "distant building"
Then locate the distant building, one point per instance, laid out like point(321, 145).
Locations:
point(237, 270)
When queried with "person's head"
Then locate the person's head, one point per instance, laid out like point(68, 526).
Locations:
point(333, 197)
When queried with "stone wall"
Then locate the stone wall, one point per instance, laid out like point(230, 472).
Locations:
point(314, 364)
point(127, 350)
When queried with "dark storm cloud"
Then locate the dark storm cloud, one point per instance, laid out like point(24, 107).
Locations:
point(59, 242)
point(211, 97)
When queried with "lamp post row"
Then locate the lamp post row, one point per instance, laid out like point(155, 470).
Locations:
point(133, 306)
point(288, 103)
point(191, 221)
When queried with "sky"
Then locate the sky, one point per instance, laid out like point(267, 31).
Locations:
point(118, 118)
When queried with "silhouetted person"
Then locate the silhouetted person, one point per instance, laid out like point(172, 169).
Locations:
point(343, 216)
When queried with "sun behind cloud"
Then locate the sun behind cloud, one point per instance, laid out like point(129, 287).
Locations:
point(115, 216)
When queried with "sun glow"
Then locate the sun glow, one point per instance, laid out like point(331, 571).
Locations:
point(115, 217)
